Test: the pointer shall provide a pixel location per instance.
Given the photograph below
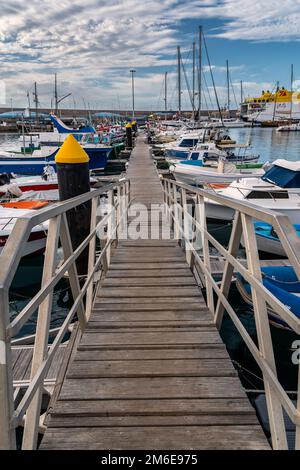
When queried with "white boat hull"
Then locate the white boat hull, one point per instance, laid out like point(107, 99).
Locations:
point(194, 175)
point(224, 213)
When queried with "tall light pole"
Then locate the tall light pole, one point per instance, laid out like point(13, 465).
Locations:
point(132, 83)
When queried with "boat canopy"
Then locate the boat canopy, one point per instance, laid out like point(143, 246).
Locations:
point(283, 174)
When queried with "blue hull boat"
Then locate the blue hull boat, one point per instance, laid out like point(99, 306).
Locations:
point(283, 283)
point(194, 155)
point(267, 239)
point(30, 165)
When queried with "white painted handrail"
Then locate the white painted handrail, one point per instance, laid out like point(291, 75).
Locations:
point(176, 196)
point(58, 229)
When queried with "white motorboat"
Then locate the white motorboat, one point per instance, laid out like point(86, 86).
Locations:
point(195, 172)
point(212, 152)
point(15, 186)
point(289, 128)
point(37, 240)
point(278, 189)
point(202, 140)
point(229, 123)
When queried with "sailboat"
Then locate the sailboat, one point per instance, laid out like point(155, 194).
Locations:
point(60, 133)
point(24, 164)
point(34, 164)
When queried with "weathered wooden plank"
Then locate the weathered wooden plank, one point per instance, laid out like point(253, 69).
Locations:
point(181, 437)
point(169, 302)
point(99, 324)
point(143, 338)
point(151, 387)
point(148, 282)
point(134, 265)
point(147, 243)
point(182, 407)
point(15, 355)
point(145, 259)
point(150, 368)
point(56, 363)
point(137, 421)
point(145, 273)
point(22, 364)
point(152, 306)
point(85, 353)
point(128, 317)
point(136, 292)
point(152, 250)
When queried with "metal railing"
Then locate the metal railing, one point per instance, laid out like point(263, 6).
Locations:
point(190, 226)
point(112, 224)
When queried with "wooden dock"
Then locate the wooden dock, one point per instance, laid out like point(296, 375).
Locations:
point(151, 370)
point(22, 360)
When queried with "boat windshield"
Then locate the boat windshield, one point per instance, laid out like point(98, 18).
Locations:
point(188, 142)
point(282, 177)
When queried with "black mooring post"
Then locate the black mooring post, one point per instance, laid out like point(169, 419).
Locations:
point(73, 175)
point(129, 136)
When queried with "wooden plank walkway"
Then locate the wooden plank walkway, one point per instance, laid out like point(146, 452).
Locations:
point(151, 371)
point(21, 365)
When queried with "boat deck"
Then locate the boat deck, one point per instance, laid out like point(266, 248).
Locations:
point(151, 370)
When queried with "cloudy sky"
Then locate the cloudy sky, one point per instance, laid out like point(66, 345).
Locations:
point(92, 45)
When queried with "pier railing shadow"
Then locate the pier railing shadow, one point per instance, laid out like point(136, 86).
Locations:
point(190, 228)
point(27, 411)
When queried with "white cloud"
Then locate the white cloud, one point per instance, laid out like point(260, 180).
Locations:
point(258, 20)
point(92, 44)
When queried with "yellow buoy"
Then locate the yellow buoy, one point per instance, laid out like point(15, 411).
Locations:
point(71, 152)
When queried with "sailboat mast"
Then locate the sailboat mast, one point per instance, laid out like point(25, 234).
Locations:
point(228, 87)
point(28, 98)
point(55, 94)
point(36, 101)
point(275, 101)
point(242, 94)
point(213, 80)
point(200, 73)
point(179, 81)
point(166, 92)
point(292, 84)
point(194, 66)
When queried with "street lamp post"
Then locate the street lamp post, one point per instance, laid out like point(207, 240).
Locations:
point(132, 82)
